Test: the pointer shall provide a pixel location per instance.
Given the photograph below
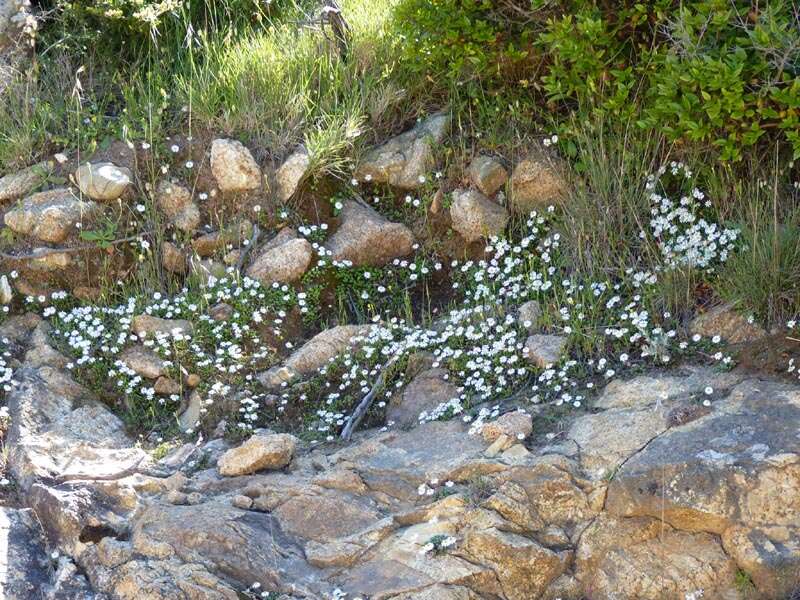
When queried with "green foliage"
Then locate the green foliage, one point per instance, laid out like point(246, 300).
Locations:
point(744, 583)
point(105, 69)
point(362, 293)
point(103, 236)
point(588, 63)
point(727, 74)
point(462, 39)
point(711, 72)
point(719, 75)
point(438, 542)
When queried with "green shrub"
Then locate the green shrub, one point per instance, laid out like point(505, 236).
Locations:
point(568, 49)
point(459, 40)
point(726, 74)
point(714, 73)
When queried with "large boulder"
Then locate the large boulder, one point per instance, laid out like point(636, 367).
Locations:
point(770, 556)
point(314, 354)
point(148, 325)
point(44, 260)
point(291, 173)
point(647, 559)
point(487, 174)
point(523, 567)
point(428, 390)
point(103, 181)
point(244, 546)
point(515, 425)
point(544, 349)
point(152, 579)
point(143, 361)
point(651, 495)
point(325, 517)
point(68, 453)
point(643, 407)
point(234, 167)
point(367, 238)
point(405, 160)
point(604, 448)
point(59, 429)
point(398, 565)
point(234, 234)
point(528, 315)
point(26, 570)
point(725, 321)
point(708, 489)
point(258, 453)
point(397, 463)
point(739, 464)
point(536, 183)
point(51, 216)
point(283, 259)
point(175, 201)
point(557, 494)
point(474, 216)
point(23, 563)
point(19, 184)
point(646, 390)
point(173, 258)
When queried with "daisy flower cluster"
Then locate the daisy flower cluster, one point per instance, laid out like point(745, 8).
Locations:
point(438, 544)
point(685, 237)
point(221, 351)
point(256, 592)
point(5, 418)
point(6, 371)
point(434, 487)
point(479, 340)
point(793, 368)
point(481, 343)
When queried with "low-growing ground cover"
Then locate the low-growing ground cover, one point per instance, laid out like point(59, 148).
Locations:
point(475, 331)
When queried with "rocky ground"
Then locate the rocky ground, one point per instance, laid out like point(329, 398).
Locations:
point(654, 492)
point(649, 495)
point(225, 441)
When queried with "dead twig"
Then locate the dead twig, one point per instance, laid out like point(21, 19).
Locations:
point(366, 402)
point(42, 252)
point(248, 248)
point(110, 477)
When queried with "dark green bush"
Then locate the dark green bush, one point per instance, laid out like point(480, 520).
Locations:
point(727, 75)
point(551, 45)
point(463, 40)
point(718, 73)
